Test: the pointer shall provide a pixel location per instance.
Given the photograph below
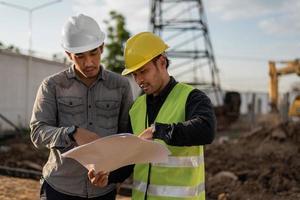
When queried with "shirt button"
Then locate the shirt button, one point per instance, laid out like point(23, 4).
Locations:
point(90, 123)
point(90, 106)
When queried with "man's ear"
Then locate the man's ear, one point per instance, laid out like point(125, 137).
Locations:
point(101, 48)
point(163, 61)
point(69, 55)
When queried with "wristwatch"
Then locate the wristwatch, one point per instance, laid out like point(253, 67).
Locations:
point(153, 128)
point(71, 131)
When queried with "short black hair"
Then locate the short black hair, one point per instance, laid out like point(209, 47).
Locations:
point(164, 55)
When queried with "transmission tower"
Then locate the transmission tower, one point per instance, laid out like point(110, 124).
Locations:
point(183, 26)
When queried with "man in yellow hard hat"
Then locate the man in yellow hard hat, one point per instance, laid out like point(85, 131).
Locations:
point(77, 106)
point(177, 114)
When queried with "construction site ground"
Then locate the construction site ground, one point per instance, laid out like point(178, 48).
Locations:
point(24, 189)
point(261, 163)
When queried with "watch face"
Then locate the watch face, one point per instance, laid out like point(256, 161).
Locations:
point(71, 129)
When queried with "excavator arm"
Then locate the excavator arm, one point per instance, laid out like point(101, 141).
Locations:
point(291, 67)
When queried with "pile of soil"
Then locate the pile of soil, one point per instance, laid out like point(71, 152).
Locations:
point(262, 164)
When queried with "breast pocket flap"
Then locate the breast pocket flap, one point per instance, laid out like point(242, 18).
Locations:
point(107, 105)
point(70, 101)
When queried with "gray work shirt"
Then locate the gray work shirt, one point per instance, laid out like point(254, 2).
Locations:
point(63, 101)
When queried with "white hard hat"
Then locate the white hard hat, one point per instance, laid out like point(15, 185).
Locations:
point(80, 34)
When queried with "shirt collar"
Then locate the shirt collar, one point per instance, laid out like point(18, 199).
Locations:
point(101, 76)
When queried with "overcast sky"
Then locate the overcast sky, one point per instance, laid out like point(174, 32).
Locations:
point(244, 34)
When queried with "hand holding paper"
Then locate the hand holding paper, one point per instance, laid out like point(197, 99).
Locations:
point(99, 179)
point(112, 152)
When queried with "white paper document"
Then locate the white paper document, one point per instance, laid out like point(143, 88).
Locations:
point(115, 151)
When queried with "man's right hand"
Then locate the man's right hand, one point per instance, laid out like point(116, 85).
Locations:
point(99, 179)
point(83, 136)
point(147, 134)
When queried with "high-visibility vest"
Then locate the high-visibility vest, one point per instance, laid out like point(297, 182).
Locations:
point(182, 176)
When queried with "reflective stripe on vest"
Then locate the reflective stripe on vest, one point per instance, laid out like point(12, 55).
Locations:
point(169, 191)
point(174, 161)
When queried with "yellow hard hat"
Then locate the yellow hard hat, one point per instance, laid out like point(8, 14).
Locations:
point(140, 49)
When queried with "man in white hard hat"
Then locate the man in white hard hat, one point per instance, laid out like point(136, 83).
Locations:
point(179, 115)
point(77, 106)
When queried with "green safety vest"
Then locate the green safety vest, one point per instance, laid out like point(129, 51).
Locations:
point(182, 176)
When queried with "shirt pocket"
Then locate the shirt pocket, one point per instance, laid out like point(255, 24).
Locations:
point(107, 113)
point(71, 110)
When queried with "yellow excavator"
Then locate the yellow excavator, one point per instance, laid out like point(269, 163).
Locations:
point(291, 67)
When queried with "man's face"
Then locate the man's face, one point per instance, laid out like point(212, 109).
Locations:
point(87, 64)
point(149, 77)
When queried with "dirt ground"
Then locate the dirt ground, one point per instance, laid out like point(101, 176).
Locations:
point(24, 189)
point(18, 188)
point(261, 164)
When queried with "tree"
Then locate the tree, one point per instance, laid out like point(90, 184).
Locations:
point(117, 35)
point(10, 48)
point(13, 48)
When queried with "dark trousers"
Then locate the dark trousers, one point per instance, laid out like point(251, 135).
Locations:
point(48, 193)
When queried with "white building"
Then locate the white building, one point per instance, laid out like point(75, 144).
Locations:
point(20, 77)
